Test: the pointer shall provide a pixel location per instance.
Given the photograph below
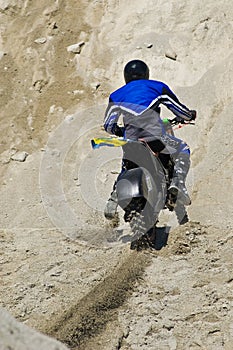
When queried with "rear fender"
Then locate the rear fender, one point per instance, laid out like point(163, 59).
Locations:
point(131, 184)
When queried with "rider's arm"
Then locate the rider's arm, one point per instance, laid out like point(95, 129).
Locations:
point(111, 118)
point(171, 101)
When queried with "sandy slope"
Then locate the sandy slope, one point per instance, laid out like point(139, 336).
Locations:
point(53, 235)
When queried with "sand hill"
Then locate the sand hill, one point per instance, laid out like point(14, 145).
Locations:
point(59, 61)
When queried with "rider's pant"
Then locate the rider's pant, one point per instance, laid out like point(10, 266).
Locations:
point(180, 153)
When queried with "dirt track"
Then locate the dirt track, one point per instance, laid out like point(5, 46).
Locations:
point(98, 308)
point(138, 303)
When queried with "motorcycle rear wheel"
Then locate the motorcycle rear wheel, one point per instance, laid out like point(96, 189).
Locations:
point(135, 215)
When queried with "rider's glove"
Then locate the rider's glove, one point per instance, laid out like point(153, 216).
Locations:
point(193, 114)
point(117, 130)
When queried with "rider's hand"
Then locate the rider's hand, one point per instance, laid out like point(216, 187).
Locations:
point(193, 114)
point(117, 130)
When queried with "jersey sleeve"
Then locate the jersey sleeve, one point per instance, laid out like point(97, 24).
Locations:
point(111, 117)
point(170, 100)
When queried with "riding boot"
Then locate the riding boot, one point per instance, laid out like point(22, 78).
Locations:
point(111, 206)
point(177, 188)
point(181, 214)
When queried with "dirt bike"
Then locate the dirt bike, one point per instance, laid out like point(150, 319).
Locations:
point(142, 187)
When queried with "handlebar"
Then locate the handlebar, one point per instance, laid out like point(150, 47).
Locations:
point(121, 141)
point(175, 121)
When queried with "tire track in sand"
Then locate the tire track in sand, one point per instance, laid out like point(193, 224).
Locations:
point(87, 318)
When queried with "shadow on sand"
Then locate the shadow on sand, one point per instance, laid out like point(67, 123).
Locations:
point(161, 237)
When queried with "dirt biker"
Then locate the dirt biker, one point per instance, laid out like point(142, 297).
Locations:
point(138, 102)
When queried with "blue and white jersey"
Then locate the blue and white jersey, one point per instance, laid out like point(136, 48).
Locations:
point(138, 102)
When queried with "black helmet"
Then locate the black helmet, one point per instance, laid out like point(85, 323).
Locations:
point(135, 70)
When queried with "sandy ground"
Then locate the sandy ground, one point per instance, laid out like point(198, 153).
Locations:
point(60, 274)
